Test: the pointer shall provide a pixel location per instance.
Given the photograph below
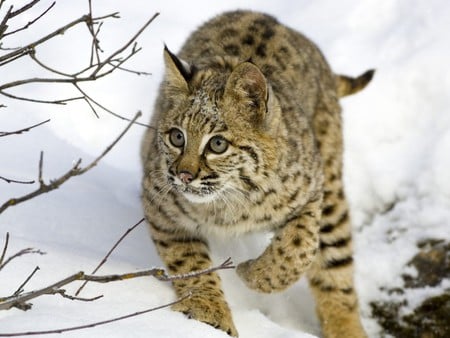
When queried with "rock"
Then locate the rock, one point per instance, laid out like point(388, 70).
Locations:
point(432, 264)
point(432, 318)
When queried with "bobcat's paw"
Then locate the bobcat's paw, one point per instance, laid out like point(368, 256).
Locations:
point(255, 277)
point(207, 309)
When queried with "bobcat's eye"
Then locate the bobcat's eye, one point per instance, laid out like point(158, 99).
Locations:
point(176, 137)
point(218, 144)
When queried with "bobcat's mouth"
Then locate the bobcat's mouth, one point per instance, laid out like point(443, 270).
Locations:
point(195, 197)
point(195, 194)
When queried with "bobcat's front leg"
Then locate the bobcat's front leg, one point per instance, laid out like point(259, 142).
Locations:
point(291, 252)
point(182, 253)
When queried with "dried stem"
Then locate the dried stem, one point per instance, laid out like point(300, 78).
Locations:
point(25, 282)
point(23, 130)
point(76, 170)
point(5, 248)
point(86, 326)
point(103, 261)
point(24, 8)
point(63, 293)
point(10, 180)
point(32, 21)
point(158, 273)
point(22, 252)
point(97, 69)
point(58, 102)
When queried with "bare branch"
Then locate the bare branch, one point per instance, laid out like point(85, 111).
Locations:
point(1, 3)
point(135, 314)
point(33, 56)
point(63, 293)
point(24, 8)
point(108, 149)
point(26, 50)
point(22, 252)
point(228, 264)
point(25, 282)
point(32, 21)
point(137, 72)
point(9, 180)
point(95, 48)
point(103, 261)
point(20, 131)
point(60, 102)
point(93, 72)
point(5, 248)
point(91, 102)
point(13, 301)
point(74, 171)
point(3, 24)
point(157, 273)
point(43, 188)
point(124, 47)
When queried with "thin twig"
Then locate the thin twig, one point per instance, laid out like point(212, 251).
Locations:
point(5, 248)
point(40, 171)
point(96, 74)
point(157, 273)
point(86, 326)
point(10, 180)
point(136, 72)
point(63, 293)
point(91, 102)
point(22, 252)
point(24, 8)
point(124, 47)
point(95, 48)
point(228, 264)
point(20, 131)
point(108, 149)
point(1, 3)
point(103, 261)
point(3, 24)
point(25, 50)
point(87, 100)
point(96, 71)
point(25, 282)
point(13, 301)
point(58, 102)
point(33, 56)
point(31, 22)
point(76, 170)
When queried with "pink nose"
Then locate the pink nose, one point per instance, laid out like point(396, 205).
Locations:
point(186, 177)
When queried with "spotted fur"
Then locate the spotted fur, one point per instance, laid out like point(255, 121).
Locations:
point(248, 137)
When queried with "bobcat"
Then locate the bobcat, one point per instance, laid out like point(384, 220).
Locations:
point(246, 136)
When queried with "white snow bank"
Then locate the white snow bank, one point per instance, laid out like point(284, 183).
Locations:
point(397, 135)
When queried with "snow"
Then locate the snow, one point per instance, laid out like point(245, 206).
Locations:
point(397, 136)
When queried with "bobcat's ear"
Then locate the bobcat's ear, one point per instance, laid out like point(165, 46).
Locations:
point(247, 87)
point(178, 71)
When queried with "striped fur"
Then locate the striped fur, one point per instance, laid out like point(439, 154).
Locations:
point(247, 137)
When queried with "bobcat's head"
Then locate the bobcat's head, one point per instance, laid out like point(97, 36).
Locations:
point(217, 126)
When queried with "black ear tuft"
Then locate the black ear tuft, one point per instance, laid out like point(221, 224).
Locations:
point(183, 67)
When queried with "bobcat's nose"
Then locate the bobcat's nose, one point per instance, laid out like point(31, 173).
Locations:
point(185, 176)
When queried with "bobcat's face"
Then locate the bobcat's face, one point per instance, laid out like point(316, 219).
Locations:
point(206, 159)
point(214, 130)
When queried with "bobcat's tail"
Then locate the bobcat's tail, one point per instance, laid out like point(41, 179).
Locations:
point(346, 85)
